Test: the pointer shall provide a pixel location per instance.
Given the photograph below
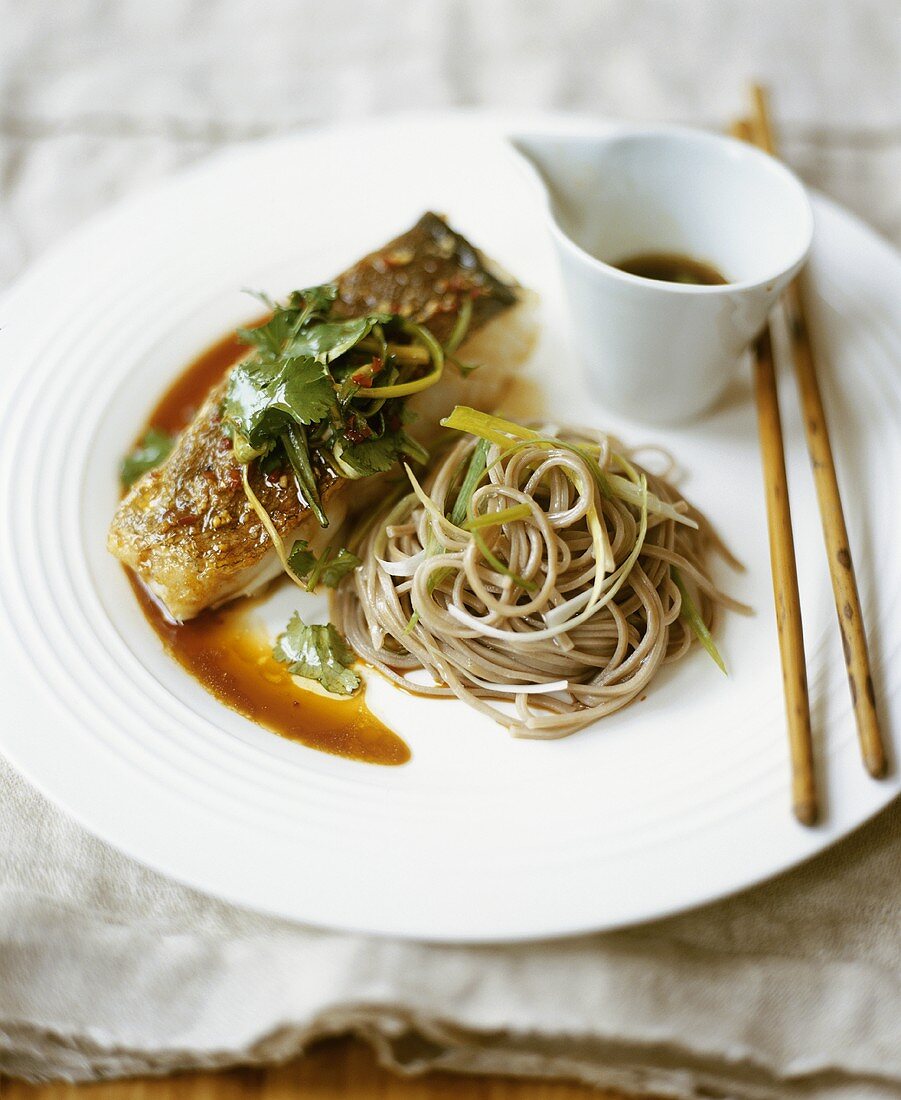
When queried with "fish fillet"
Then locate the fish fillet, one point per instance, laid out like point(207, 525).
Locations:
point(186, 527)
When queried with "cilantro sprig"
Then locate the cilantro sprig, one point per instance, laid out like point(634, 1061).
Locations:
point(321, 390)
point(330, 568)
point(318, 653)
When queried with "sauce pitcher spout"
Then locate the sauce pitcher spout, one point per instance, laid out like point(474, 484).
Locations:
point(561, 169)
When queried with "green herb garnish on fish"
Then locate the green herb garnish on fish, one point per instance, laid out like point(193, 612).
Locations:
point(329, 391)
point(153, 449)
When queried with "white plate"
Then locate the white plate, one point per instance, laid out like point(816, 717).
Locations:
point(678, 800)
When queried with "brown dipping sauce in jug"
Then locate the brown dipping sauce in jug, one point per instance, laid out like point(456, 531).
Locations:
point(671, 267)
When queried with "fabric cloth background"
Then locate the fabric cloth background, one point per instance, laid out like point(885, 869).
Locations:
point(790, 990)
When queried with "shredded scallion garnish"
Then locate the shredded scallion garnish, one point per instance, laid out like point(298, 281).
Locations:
point(689, 612)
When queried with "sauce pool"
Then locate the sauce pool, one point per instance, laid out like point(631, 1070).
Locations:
point(176, 408)
point(230, 655)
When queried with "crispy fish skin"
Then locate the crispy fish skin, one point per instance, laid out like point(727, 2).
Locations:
point(426, 274)
point(187, 529)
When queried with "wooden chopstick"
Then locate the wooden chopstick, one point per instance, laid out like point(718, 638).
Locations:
point(835, 532)
point(784, 570)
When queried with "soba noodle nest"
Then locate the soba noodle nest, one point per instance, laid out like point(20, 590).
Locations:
point(540, 626)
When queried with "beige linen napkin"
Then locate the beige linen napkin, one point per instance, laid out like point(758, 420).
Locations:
point(791, 990)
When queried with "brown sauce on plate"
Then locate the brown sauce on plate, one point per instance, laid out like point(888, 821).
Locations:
point(176, 408)
point(230, 655)
point(671, 267)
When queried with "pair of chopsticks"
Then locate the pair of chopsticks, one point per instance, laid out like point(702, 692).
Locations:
point(758, 130)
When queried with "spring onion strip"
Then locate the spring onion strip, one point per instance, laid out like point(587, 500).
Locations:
point(297, 448)
point(461, 327)
point(403, 353)
point(435, 355)
point(475, 471)
point(692, 617)
point(346, 471)
point(485, 426)
point(559, 616)
point(405, 568)
point(493, 560)
point(626, 466)
point(270, 528)
point(495, 519)
point(631, 494)
point(603, 552)
point(441, 521)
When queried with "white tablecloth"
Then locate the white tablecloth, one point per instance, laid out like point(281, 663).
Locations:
point(791, 990)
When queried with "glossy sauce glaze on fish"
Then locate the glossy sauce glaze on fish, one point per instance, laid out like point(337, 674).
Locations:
point(187, 528)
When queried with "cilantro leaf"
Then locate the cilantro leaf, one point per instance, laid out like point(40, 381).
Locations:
point(272, 336)
point(327, 341)
point(265, 396)
point(338, 567)
point(152, 450)
point(301, 560)
point(315, 299)
point(287, 380)
point(330, 569)
point(373, 456)
point(318, 653)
